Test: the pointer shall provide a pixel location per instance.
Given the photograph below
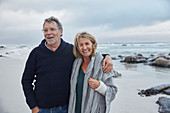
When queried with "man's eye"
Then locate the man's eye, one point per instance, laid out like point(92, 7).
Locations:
point(52, 29)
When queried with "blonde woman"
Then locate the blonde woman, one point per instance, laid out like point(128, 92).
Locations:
point(91, 89)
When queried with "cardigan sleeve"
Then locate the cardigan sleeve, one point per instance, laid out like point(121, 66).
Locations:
point(111, 89)
point(102, 88)
point(28, 79)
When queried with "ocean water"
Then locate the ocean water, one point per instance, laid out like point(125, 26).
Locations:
point(126, 49)
point(114, 49)
point(16, 51)
point(131, 49)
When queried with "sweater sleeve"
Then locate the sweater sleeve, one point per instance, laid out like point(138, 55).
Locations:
point(28, 79)
point(102, 88)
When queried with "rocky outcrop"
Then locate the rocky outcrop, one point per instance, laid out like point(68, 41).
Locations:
point(124, 45)
point(161, 62)
point(164, 105)
point(161, 89)
point(135, 59)
point(1, 47)
point(163, 102)
point(130, 59)
point(114, 58)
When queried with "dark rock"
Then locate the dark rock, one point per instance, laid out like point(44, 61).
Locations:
point(114, 58)
point(136, 59)
point(167, 57)
point(124, 45)
point(1, 56)
point(152, 55)
point(139, 55)
point(9, 52)
point(141, 59)
point(148, 92)
point(130, 59)
point(120, 56)
point(1, 47)
point(162, 62)
point(164, 105)
point(22, 46)
point(169, 54)
point(122, 61)
point(161, 89)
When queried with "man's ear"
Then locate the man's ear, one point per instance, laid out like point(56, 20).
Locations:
point(61, 32)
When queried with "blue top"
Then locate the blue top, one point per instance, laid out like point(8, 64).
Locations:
point(50, 74)
point(79, 90)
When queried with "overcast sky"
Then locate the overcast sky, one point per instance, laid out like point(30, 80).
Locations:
point(108, 20)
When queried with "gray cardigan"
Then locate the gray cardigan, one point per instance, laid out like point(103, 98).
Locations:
point(92, 101)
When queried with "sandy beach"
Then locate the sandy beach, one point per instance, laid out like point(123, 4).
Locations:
point(134, 76)
point(11, 96)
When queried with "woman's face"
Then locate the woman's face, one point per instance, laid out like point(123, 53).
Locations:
point(85, 47)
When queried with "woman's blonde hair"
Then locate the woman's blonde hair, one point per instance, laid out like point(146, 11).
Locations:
point(84, 35)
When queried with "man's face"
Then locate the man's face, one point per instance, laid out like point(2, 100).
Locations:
point(51, 33)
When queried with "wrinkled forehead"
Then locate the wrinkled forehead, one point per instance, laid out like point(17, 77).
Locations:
point(50, 24)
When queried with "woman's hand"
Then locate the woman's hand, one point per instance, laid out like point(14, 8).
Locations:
point(93, 83)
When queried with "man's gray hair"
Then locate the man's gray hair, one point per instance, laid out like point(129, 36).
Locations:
point(54, 19)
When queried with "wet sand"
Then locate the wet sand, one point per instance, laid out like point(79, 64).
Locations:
point(134, 76)
point(12, 99)
point(137, 76)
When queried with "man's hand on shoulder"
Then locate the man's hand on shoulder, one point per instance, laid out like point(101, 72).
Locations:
point(107, 64)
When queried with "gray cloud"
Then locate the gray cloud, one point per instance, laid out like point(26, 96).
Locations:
point(23, 18)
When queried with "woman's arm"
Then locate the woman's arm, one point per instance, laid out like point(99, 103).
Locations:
point(97, 85)
point(102, 86)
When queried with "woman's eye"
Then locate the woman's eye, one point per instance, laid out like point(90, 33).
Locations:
point(87, 43)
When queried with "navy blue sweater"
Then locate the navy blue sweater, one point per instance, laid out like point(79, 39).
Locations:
point(46, 78)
